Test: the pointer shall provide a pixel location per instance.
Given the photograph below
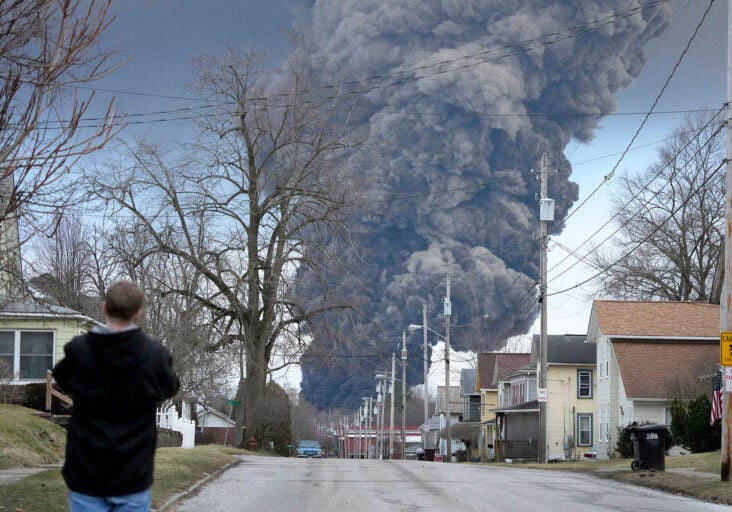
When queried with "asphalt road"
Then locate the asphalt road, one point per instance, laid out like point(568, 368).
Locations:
point(304, 485)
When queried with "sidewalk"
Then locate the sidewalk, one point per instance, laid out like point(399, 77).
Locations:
point(9, 476)
point(693, 472)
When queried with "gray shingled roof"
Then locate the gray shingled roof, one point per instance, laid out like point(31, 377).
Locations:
point(456, 401)
point(531, 406)
point(568, 349)
point(15, 306)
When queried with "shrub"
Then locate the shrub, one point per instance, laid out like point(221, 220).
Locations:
point(624, 445)
point(690, 425)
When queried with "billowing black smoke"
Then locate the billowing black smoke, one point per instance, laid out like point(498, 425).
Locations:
point(459, 98)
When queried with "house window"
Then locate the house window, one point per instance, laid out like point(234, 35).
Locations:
point(518, 393)
point(7, 353)
point(27, 354)
point(584, 430)
point(600, 362)
point(584, 383)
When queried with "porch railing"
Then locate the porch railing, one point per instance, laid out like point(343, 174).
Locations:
point(50, 392)
point(517, 449)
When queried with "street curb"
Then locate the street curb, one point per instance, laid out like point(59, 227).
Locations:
point(192, 489)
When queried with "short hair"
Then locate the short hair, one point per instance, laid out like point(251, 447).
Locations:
point(123, 299)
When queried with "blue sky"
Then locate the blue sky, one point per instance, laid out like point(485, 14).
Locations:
point(163, 37)
point(700, 82)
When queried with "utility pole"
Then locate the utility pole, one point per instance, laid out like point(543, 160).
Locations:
point(404, 390)
point(380, 397)
point(358, 439)
point(426, 373)
point(370, 423)
point(391, 420)
point(546, 214)
point(448, 311)
point(726, 310)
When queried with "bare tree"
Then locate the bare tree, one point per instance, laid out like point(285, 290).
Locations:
point(670, 220)
point(236, 207)
point(64, 265)
point(48, 50)
point(303, 420)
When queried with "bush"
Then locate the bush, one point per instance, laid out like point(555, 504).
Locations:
point(32, 396)
point(690, 425)
point(624, 445)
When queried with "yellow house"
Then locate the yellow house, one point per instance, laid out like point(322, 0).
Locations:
point(571, 400)
point(32, 333)
point(32, 337)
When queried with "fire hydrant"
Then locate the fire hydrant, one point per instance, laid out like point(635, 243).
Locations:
point(252, 443)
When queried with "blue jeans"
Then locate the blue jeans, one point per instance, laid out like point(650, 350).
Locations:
point(137, 502)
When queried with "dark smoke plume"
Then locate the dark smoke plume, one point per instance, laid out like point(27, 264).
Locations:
point(460, 98)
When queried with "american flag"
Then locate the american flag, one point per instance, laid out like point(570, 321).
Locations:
point(716, 398)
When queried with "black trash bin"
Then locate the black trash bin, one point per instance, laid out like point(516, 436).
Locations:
point(648, 446)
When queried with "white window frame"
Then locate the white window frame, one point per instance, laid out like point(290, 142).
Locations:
point(580, 417)
point(17, 335)
point(579, 384)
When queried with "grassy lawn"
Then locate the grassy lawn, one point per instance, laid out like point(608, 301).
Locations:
point(176, 469)
point(28, 441)
point(696, 485)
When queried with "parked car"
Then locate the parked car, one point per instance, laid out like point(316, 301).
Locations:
point(309, 449)
point(591, 453)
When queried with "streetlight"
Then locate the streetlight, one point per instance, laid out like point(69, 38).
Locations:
point(413, 327)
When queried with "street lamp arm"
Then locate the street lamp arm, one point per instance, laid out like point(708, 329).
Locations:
point(416, 327)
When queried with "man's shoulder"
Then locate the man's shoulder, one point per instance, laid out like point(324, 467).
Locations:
point(78, 342)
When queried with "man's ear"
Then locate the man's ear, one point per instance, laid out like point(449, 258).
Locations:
point(136, 316)
point(104, 307)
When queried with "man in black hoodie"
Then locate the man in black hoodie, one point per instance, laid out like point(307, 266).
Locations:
point(117, 377)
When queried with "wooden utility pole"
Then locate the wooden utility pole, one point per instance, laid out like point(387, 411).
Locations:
point(448, 312)
point(546, 214)
point(726, 301)
point(391, 420)
point(404, 391)
point(425, 369)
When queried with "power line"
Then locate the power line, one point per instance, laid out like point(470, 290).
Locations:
point(645, 239)
point(609, 176)
point(517, 47)
point(633, 198)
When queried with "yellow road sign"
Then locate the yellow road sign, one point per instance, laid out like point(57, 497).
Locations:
point(725, 349)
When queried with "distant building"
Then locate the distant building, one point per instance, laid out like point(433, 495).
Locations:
point(491, 365)
point(450, 410)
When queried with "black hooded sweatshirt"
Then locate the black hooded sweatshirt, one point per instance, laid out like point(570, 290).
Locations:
point(117, 380)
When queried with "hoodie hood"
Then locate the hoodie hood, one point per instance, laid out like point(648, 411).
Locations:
point(121, 350)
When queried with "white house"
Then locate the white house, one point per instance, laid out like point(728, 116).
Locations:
point(214, 426)
point(646, 352)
